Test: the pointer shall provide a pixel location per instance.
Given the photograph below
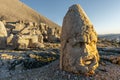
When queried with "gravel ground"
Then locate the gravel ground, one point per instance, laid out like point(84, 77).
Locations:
point(107, 70)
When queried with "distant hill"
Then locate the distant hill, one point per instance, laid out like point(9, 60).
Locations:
point(14, 10)
point(110, 37)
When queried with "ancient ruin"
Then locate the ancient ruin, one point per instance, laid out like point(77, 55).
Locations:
point(78, 43)
point(24, 35)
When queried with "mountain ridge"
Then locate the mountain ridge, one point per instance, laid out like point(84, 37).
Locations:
point(16, 10)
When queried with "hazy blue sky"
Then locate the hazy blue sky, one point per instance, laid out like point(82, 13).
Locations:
point(104, 14)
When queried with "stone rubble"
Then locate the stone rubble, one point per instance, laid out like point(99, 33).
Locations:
point(24, 35)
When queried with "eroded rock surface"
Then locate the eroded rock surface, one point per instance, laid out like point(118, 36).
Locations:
point(78, 43)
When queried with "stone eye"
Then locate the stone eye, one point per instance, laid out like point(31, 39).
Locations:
point(78, 45)
point(67, 41)
point(81, 43)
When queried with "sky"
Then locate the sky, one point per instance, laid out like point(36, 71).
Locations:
point(104, 14)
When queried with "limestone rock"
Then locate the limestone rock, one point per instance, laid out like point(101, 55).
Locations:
point(19, 67)
point(23, 42)
point(53, 35)
point(3, 35)
point(3, 31)
point(40, 38)
point(78, 43)
point(29, 41)
point(9, 39)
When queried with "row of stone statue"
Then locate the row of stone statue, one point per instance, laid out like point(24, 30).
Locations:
point(26, 34)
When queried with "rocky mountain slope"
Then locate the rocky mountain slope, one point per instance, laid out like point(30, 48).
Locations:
point(14, 10)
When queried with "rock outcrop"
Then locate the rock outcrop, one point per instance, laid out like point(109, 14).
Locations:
point(29, 41)
point(3, 35)
point(23, 35)
point(49, 34)
point(78, 43)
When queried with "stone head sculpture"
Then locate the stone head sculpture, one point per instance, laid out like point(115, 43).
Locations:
point(78, 43)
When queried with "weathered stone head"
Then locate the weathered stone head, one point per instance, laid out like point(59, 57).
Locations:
point(78, 43)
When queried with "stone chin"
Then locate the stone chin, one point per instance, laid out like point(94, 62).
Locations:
point(82, 62)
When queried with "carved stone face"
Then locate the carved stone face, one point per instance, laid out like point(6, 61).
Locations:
point(82, 55)
point(78, 44)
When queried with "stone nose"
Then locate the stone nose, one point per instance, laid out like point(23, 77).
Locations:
point(86, 49)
